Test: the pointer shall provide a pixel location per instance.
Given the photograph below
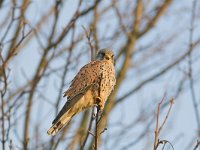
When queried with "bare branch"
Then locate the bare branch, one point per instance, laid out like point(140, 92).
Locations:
point(197, 145)
point(158, 129)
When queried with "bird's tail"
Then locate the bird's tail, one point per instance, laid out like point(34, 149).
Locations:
point(59, 124)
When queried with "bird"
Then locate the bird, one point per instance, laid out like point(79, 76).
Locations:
point(90, 88)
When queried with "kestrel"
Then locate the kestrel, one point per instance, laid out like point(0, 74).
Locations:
point(90, 87)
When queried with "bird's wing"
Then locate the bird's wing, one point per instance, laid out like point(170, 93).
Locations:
point(83, 81)
point(87, 76)
point(68, 105)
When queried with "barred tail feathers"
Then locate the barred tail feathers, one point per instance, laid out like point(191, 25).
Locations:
point(58, 125)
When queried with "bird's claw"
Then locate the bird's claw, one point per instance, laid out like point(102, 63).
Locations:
point(99, 103)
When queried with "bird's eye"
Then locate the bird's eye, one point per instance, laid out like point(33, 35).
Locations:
point(107, 57)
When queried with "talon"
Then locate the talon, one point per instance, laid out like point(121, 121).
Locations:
point(100, 103)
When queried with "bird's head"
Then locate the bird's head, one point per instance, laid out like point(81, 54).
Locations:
point(105, 54)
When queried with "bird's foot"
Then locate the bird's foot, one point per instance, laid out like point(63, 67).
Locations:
point(99, 103)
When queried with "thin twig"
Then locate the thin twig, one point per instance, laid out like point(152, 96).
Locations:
point(2, 93)
point(89, 131)
point(197, 145)
point(157, 122)
point(88, 36)
point(170, 107)
point(96, 129)
point(2, 122)
point(164, 142)
point(158, 129)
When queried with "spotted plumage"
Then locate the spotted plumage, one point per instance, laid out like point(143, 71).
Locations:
point(94, 81)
